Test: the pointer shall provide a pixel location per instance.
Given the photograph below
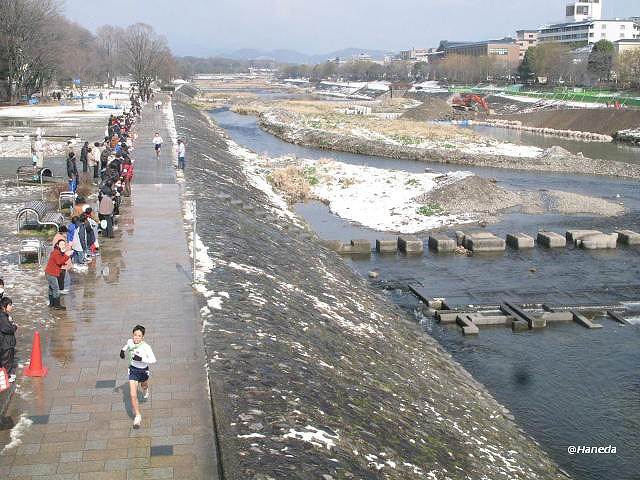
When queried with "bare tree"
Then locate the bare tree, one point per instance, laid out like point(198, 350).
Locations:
point(628, 68)
point(27, 40)
point(79, 59)
point(109, 47)
point(144, 52)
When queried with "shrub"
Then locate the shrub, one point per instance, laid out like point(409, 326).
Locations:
point(430, 210)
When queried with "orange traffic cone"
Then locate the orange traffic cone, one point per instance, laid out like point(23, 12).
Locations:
point(35, 368)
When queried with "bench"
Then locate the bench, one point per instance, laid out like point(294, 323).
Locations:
point(66, 198)
point(37, 213)
point(31, 248)
point(26, 174)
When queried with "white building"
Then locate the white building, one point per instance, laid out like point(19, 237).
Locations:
point(584, 23)
point(590, 31)
point(581, 10)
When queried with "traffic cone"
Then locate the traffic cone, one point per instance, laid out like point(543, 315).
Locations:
point(35, 368)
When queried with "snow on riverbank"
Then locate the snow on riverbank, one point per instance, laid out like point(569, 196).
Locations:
point(381, 199)
point(53, 112)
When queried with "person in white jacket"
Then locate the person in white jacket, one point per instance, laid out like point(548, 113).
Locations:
point(140, 356)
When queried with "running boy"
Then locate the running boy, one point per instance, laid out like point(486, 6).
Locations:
point(139, 355)
point(157, 144)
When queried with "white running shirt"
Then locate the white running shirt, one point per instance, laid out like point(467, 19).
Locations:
point(143, 351)
point(157, 140)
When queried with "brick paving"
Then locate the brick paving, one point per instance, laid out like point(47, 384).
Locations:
point(82, 420)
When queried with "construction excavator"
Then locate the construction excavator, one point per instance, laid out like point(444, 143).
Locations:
point(470, 102)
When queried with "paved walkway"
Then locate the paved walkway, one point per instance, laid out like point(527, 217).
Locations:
point(81, 413)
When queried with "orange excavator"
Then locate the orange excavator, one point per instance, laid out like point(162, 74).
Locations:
point(470, 101)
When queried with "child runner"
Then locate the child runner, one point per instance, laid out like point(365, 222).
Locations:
point(157, 144)
point(139, 356)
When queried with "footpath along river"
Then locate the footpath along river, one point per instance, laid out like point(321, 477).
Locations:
point(565, 385)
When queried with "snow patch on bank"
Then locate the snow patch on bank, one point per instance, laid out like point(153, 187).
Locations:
point(254, 171)
point(314, 436)
point(382, 199)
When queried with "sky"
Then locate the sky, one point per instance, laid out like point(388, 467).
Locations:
point(203, 28)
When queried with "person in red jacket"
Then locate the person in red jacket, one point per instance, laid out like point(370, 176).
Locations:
point(58, 258)
point(127, 175)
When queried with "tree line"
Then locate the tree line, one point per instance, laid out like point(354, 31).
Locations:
point(553, 63)
point(40, 49)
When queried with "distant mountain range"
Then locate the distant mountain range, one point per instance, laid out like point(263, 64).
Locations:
point(292, 56)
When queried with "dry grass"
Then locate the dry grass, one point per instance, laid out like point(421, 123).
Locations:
point(324, 115)
point(291, 181)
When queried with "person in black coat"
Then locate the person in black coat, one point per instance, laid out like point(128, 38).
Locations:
point(7, 338)
point(84, 156)
point(72, 171)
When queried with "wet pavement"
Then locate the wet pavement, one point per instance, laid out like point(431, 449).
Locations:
point(78, 418)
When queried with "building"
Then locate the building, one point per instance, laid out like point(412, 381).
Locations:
point(584, 24)
point(590, 31)
point(416, 55)
point(505, 50)
point(362, 57)
point(624, 46)
point(581, 10)
point(525, 40)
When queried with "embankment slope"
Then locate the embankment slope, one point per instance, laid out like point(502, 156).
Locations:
point(313, 373)
point(596, 120)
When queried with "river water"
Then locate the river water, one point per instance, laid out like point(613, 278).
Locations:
point(566, 385)
point(609, 151)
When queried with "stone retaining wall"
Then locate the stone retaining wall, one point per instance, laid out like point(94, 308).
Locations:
point(313, 373)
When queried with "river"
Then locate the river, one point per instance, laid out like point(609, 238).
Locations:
point(566, 385)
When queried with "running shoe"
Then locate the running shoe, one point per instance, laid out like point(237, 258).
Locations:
point(12, 378)
point(137, 421)
point(145, 393)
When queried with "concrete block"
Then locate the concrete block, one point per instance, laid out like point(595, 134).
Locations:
point(628, 237)
point(412, 245)
point(519, 326)
point(618, 317)
point(468, 327)
point(386, 246)
point(337, 246)
point(598, 241)
point(520, 241)
point(361, 247)
point(479, 319)
point(447, 316)
point(557, 316)
point(551, 240)
point(442, 243)
point(584, 321)
point(573, 235)
point(484, 242)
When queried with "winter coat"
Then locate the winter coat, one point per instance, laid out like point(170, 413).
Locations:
point(104, 157)
point(72, 168)
point(7, 332)
point(106, 205)
point(57, 259)
point(127, 171)
point(84, 152)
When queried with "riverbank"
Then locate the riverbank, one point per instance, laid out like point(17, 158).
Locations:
point(310, 369)
point(289, 126)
